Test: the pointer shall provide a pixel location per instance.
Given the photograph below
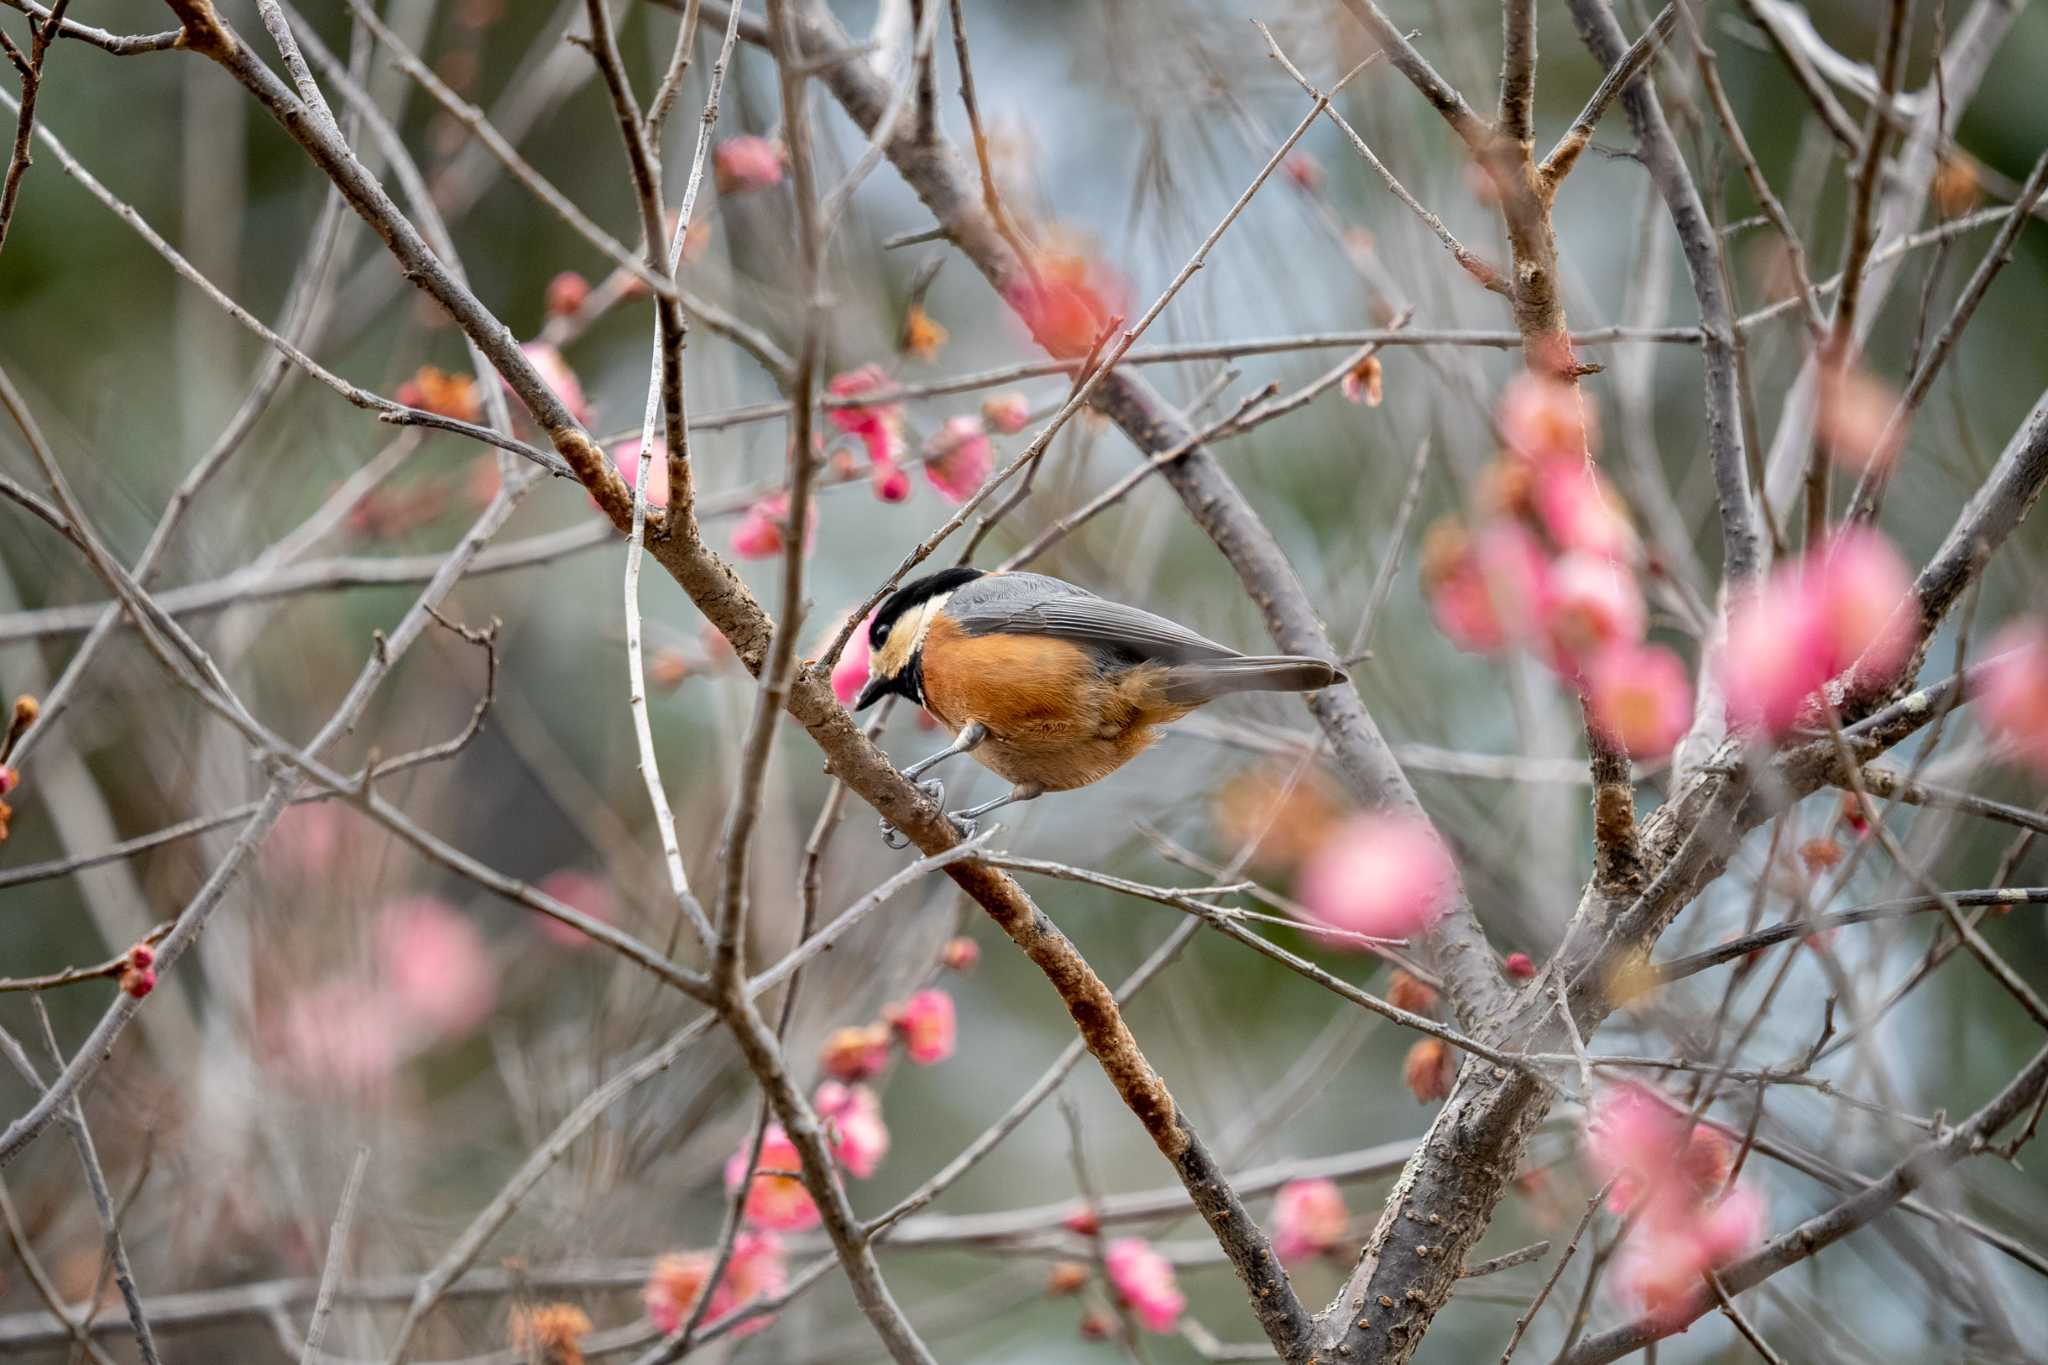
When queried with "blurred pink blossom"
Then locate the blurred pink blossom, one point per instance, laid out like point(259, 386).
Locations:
point(760, 532)
point(890, 481)
point(778, 1202)
point(626, 455)
point(1007, 413)
point(338, 1036)
point(958, 458)
point(578, 890)
point(1838, 605)
point(1581, 510)
point(850, 674)
point(673, 1287)
point(926, 1024)
point(2013, 697)
point(853, 1116)
point(1853, 408)
point(1593, 603)
point(307, 841)
point(1381, 875)
point(436, 964)
point(1066, 299)
point(567, 293)
point(1309, 1219)
point(1486, 590)
point(1640, 698)
point(758, 1268)
point(1672, 1176)
point(879, 425)
point(855, 1052)
point(1304, 170)
point(556, 374)
point(747, 163)
point(1144, 1280)
point(1545, 419)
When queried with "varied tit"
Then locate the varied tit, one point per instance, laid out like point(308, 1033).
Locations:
point(1047, 684)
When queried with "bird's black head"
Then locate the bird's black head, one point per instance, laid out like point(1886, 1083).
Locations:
point(896, 636)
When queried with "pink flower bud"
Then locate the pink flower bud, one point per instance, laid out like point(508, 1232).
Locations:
point(1519, 966)
point(747, 163)
point(890, 481)
point(1304, 171)
point(1380, 875)
point(960, 954)
point(138, 981)
point(1007, 413)
point(567, 293)
point(1429, 1070)
point(1083, 1222)
point(9, 779)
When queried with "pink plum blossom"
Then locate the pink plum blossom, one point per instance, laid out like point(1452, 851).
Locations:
point(1380, 875)
point(1007, 413)
point(958, 458)
point(1144, 1280)
point(626, 455)
point(1309, 1219)
point(926, 1024)
point(2013, 697)
point(775, 1201)
point(436, 963)
point(578, 890)
point(853, 1117)
point(758, 1268)
point(1640, 698)
point(1304, 170)
point(1364, 382)
point(747, 163)
point(855, 1052)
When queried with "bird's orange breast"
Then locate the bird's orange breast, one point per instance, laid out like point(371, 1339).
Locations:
point(1054, 720)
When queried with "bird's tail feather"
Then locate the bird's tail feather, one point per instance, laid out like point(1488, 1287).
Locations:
point(1202, 680)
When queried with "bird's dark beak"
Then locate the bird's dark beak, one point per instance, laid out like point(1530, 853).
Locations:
point(872, 693)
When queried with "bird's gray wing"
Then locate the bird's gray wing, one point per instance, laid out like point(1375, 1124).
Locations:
point(1033, 604)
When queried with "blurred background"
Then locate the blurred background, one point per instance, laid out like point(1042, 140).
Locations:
point(236, 1106)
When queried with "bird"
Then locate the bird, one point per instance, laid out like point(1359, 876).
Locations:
point(1048, 684)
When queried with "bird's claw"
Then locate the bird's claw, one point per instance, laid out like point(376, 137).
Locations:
point(963, 824)
point(935, 791)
